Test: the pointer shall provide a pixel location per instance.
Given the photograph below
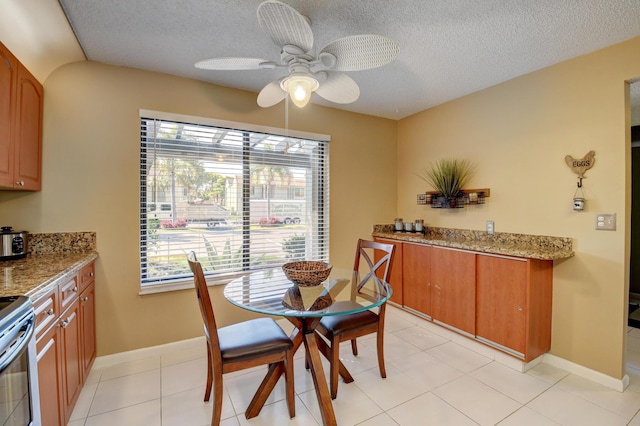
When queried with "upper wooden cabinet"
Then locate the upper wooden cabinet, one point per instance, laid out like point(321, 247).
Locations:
point(21, 98)
point(8, 78)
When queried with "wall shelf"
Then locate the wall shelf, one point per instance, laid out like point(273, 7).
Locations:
point(466, 197)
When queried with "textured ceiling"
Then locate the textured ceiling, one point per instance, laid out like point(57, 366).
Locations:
point(448, 48)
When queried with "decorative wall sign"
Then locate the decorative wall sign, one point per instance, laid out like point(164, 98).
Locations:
point(581, 165)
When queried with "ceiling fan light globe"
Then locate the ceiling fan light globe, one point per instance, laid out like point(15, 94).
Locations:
point(300, 88)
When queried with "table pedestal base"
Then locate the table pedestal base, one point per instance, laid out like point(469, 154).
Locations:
point(302, 334)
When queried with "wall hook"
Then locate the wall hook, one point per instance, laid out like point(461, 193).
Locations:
point(579, 182)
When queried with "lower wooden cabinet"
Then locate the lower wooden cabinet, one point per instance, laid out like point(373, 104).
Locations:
point(50, 377)
point(453, 288)
point(514, 304)
point(501, 301)
point(65, 346)
point(416, 268)
point(88, 324)
point(71, 337)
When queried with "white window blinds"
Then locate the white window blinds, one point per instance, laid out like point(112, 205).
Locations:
point(241, 199)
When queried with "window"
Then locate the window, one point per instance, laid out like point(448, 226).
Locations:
point(242, 197)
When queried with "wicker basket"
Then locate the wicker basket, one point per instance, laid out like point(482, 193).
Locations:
point(307, 273)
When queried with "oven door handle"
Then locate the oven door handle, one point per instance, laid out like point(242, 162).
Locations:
point(14, 344)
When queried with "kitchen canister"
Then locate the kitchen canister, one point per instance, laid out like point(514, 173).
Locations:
point(408, 227)
point(398, 225)
point(419, 225)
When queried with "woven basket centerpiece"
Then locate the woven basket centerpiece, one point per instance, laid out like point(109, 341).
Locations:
point(307, 273)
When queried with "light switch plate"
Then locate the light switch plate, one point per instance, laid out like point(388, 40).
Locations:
point(490, 227)
point(605, 222)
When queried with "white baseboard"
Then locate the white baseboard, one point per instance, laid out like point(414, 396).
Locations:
point(616, 384)
point(136, 354)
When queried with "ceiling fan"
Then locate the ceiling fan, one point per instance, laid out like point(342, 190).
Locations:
point(308, 73)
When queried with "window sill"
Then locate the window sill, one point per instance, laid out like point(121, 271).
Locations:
point(182, 285)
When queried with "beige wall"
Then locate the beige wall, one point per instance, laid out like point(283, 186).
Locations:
point(90, 183)
point(517, 134)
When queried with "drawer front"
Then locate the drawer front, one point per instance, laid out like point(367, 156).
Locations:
point(46, 310)
point(86, 276)
point(68, 293)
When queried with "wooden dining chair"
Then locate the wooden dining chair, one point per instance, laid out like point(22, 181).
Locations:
point(378, 258)
point(240, 346)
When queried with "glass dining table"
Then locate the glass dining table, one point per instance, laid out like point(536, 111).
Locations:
point(270, 292)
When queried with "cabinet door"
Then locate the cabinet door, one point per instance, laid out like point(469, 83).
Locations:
point(8, 65)
point(453, 296)
point(415, 272)
point(70, 336)
point(88, 320)
point(50, 377)
point(396, 269)
point(501, 303)
point(28, 132)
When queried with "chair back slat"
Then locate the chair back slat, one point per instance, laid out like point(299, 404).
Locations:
point(379, 271)
point(204, 301)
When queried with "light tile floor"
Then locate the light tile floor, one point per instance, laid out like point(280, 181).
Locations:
point(434, 377)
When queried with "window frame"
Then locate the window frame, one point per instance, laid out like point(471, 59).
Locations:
point(148, 286)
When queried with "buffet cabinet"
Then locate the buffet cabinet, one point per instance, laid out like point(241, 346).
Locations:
point(65, 344)
point(21, 97)
point(501, 301)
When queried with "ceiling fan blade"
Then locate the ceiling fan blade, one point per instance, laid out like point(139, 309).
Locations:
point(339, 88)
point(285, 25)
point(271, 94)
point(362, 52)
point(230, 63)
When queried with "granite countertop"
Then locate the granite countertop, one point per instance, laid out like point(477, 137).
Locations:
point(518, 245)
point(52, 259)
point(35, 274)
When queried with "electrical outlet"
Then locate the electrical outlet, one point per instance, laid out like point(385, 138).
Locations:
point(490, 227)
point(605, 222)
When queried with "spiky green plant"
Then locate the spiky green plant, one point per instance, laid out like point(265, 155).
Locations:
point(448, 176)
point(294, 247)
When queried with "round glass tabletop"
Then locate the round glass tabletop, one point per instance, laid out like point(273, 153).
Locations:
point(271, 292)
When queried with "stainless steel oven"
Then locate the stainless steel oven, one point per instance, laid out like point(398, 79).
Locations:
point(19, 396)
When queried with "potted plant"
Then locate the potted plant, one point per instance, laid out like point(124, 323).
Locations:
point(448, 176)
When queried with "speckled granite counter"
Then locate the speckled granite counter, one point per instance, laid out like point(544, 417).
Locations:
point(519, 245)
point(52, 259)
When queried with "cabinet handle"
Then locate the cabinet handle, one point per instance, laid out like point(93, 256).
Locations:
point(20, 183)
point(84, 299)
point(49, 311)
point(90, 274)
point(520, 308)
point(64, 323)
point(75, 289)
